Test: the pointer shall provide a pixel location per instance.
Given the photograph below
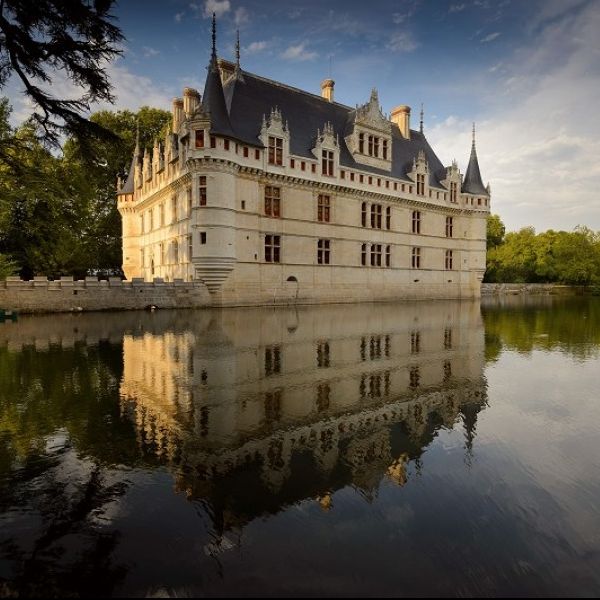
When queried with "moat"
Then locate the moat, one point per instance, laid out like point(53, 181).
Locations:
point(431, 449)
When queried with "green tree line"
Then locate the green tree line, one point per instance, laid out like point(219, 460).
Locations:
point(58, 210)
point(567, 257)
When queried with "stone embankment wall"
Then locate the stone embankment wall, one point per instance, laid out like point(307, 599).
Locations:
point(545, 289)
point(66, 295)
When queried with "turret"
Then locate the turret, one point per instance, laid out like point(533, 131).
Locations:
point(472, 183)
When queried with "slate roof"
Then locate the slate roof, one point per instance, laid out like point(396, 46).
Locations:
point(472, 183)
point(248, 97)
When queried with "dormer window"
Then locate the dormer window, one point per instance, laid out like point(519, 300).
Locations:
point(327, 162)
point(375, 146)
point(385, 149)
point(199, 138)
point(275, 150)
point(420, 184)
point(361, 143)
point(453, 190)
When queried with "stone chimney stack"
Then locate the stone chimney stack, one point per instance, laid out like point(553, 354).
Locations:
point(178, 115)
point(401, 117)
point(191, 101)
point(327, 89)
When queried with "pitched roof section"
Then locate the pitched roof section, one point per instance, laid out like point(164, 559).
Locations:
point(472, 183)
point(250, 97)
point(214, 102)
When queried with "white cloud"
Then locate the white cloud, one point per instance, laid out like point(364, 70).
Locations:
point(402, 41)
point(219, 7)
point(149, 52)
point(255, 47)
point(241, 16)
point(179, 17)
point(298, 53)
point(538, 142)
point(490, 38)
point(454, 8)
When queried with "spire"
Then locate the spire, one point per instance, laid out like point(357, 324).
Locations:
point(213, 55)
point(473, 183)
point(213, 101)
point(237, 50)
point(128, 186)
point(421, 122)
point(136, 152)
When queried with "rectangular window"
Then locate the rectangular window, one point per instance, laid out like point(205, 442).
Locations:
point(453, 190)
point(245, 151)
point(189, 201)
point(292, 163)
point(327, 162)
point(385, 149)
point(173, 209)
point(256, 154)
point(226, 144)
point(388, 217)
point(275, 151)
point(375, 255)
point(323, 207)
point(416, 258)
point(142, 223)
point(448, 261)
point(363, 214)
point(313, 168)
point(203, 237)
point(151, 213)
point(161, 254)
point(272, 248)
point(361, 178)
point(303, 166)
point(447, 339)
point(361, 143)
point(161, 214)
point(323, 252)
point(388, 256)
point(370, 145)
point(363, 255)
point(272, 360)
point(421, 184)
point(190, 247)
point(449, 226)
point(415, 342)
point(351, 176)
point(416, 221)
point(323, 354)
point(199, 138)
point(376, 146)
point(213, 141)
point(202, 190)
point(272, 201)
point(376, 216)
point(343, 174)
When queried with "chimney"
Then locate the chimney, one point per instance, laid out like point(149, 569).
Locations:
point(327, 89)
point(177, 114)
point(226, 69)
point(401, 117)
point(191, 101)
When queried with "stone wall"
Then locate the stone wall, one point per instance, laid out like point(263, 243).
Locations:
point(67, 295)
point(500, 289)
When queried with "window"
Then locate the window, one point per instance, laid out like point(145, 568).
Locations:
point(416, 221)
point(363, 215)
point(275, 151)
point(375, 255)
point(376, 214)
point(385, 149)
point(388, 256)
point(272, 248)
point(376, 147)
point(272, 360)
point(363, 255)
point(323, 206)
point(202, 190)
point(303, 166)
point(448, 260)
point(453, 189)
point(351, 176)
point(449, 226)
point(161, 214)
point(200, 138)
point(323, 252)
point(151, 213)
point(361, 178)
point(245, 152)
point(213, 141)
point(161, 253)
point(327, 162)
point(226, 144)
point(343, 174)
point(190, 244)
point(388, 217)
point(416, 258)
point(173, 209)
point(415, 342)
point(414, 377)
point(142, 258)
point(272, 201)
point(361, 143)
point(175, 251)
point(142, 223)
point(292, 163)
point(420, 184)
point(323, 354)
point(203, 237)
point(189, 201)
point(256, 154)
point(447, 339)
point(313, 168)
point(370, 145)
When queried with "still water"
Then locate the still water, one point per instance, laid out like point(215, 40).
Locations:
point(401, 449)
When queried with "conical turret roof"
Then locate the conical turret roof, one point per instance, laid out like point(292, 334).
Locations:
point(472, 183)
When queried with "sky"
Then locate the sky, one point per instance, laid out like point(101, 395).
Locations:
point(527, 72)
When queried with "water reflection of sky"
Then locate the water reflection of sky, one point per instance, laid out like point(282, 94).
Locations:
point(229, 469)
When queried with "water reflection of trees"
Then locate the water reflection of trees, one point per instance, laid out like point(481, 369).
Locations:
point(525, 324)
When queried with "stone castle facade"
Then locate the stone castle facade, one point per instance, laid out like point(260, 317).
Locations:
point(270, 194)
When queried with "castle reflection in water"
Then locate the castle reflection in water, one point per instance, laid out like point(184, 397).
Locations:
point(256, 409)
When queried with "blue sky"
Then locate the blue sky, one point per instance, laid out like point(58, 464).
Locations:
point(526, 71)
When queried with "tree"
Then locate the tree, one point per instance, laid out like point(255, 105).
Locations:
point(40, 39)
point(495, 231)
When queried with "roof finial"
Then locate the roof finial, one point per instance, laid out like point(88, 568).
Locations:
point(137, 138)
point(237, 50)
point(421, 122)
point(213, 55)
point(473, 134)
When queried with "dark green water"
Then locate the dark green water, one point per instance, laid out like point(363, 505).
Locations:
point(440, 449)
